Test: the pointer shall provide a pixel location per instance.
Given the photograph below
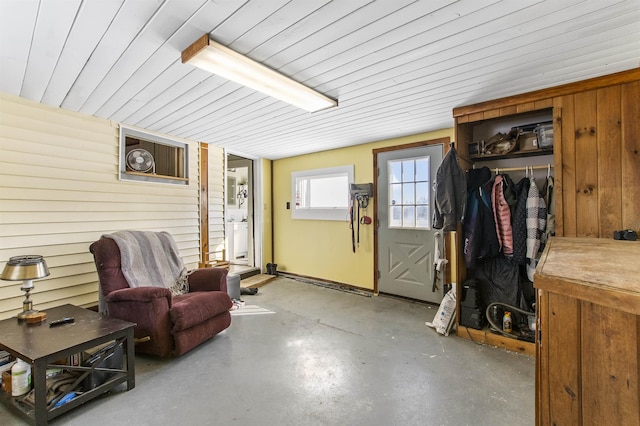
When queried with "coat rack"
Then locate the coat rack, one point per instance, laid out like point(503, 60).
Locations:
point(548, 167)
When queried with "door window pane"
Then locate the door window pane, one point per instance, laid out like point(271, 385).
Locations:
point(422, 193)
point(395, 216)
point(408, 217)
point(396, 194)
point(395, 171)
point(423, 171)
point(409, 193)
point(422, 217)
point(408, 168)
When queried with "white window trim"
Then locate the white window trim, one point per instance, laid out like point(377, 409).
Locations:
point(336, 213)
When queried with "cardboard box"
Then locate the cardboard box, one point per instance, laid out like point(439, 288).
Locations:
point(527, 141)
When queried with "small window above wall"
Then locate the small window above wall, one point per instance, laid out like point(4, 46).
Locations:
point(321, 194)
point(145, 157)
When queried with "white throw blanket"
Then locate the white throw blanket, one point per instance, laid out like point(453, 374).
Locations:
point(151, 259)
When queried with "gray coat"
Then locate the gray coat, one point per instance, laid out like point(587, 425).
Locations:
point(451, 193)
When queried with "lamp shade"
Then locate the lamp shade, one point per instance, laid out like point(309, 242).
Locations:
point(30, 267)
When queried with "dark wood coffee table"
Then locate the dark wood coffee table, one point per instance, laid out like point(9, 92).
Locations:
point(41, 345)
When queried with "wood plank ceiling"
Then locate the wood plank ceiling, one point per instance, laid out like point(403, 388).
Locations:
point(397, 67)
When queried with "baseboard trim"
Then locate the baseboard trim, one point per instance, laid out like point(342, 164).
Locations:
point(334, 285)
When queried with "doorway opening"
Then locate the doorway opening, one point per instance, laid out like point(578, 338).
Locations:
point(239, 214)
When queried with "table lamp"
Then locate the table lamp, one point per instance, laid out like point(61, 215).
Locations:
point(25, 268)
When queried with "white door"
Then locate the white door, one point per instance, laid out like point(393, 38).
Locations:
point(406, 240)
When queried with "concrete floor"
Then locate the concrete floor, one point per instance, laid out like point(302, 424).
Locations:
point(325, 357)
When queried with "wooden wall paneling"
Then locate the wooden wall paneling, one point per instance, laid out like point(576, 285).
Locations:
point(494, 113)
point(587, 159)
point(216, 166)
point(462, 119)
point(609, 161)
point(463, 135)
point(631, 156)
point(204, 205)
point(543, 104)
point(509, 110)
point(542, 402)
point(563, 373)
point(476, 116)
point(609, 386)
point(525, 107)
point(557, 166)
point(568, 188)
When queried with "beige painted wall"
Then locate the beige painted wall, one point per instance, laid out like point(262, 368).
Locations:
point(59, 191)
point(322, 249)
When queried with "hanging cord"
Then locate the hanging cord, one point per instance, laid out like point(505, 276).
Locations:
point(353, 237)
point(362, 200)
point(358, 201)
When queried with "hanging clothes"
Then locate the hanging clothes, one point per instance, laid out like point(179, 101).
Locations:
point(498, 279)
point(480, 239)
point(549, 200)
point(519, 221)
point(450, 193)
point(536, 221)
point(502, 216)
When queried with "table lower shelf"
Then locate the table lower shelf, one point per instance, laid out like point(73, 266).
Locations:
point(486, 337)
point(29, 412)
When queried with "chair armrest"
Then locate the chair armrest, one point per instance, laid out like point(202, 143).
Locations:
point(148, 308)
point(139, 294)
point(208, 279)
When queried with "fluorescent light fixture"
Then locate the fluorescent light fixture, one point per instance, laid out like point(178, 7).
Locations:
point(220, 60)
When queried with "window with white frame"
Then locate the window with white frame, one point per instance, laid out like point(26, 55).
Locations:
point(321, 194)
point(409, 186)
point(150, 158)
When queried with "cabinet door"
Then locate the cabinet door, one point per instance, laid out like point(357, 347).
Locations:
point(563, 359)
point(610, 366)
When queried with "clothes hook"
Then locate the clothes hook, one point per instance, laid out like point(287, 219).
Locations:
point(548, 170)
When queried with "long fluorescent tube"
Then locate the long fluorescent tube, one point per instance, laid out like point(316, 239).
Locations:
point(220, 60)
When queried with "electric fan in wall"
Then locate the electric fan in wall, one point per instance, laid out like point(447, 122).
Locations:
point(140, 160)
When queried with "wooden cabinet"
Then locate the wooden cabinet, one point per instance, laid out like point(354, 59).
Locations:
point(478, 127)
point(596, 150)
point(588, 343)
point(596, 160)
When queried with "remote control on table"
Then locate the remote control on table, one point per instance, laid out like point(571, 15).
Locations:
point(61, 321)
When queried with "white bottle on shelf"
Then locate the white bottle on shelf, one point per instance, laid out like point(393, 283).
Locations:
point(20, 378)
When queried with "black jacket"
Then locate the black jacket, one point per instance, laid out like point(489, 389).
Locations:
point(451, 193)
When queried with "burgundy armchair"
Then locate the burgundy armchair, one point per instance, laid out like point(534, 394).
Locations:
point(173, 324)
